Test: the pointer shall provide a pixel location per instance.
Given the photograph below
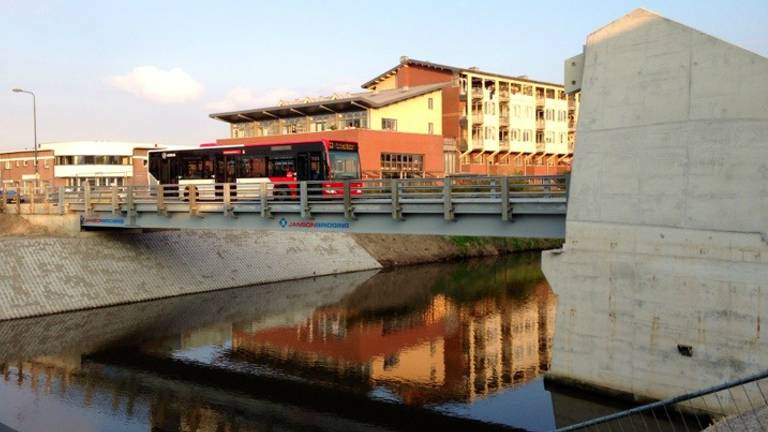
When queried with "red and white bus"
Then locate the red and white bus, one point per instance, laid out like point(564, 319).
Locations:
point(243, 164)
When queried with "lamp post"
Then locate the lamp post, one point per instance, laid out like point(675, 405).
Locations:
point(34, 123)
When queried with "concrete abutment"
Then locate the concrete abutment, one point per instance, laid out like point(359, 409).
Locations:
point(663, 277)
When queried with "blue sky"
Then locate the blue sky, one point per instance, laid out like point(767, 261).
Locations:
point(152, 71)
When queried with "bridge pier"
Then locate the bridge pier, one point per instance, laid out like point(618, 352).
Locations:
point(663, 278)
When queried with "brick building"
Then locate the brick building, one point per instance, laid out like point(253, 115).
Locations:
point(101, 163)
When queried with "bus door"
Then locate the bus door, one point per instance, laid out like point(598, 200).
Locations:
point(302, 166)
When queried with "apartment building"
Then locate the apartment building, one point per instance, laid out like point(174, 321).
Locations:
point(73, 163)
point(493, 123)
point(425, 119)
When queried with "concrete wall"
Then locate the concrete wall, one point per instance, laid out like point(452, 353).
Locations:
point(668, 213)
point(180, 318)
point(43, 275)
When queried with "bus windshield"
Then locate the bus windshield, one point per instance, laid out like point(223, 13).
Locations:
point(345, 165)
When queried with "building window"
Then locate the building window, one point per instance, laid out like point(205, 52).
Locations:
point(430, 128)
point(93, 160)
point(25, 163)
point(7, 164)
point(355, 120)
point(389, 124)
point(430, 103)
point(401, 164)
point(527, 135)
point(45, 163)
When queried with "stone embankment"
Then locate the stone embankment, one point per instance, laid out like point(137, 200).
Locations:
point(48, 269)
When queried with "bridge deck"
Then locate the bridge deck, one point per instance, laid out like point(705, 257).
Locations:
point(520, 206)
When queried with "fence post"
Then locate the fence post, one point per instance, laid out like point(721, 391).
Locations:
point(131, 211)
point(32, 209)
point(192, 200)
point(87, 198)
point(349, 211)
point(396, 210)
point(46, 200)
point(266, 212)
point(161, 208)
point(304, 200)
point(17, 199)
point(61, 204)
point(227, 200)
point(505, 199)
point(115, 201)
point(447, 204)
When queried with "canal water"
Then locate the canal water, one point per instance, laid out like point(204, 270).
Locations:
point(460, 346)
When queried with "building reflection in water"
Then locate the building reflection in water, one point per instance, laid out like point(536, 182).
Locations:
point(455, 339)
point(421, 335)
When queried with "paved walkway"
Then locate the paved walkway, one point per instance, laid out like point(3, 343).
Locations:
point(745, 422)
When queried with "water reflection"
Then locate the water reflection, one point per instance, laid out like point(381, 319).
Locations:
point(407, 349)
point(426, 335)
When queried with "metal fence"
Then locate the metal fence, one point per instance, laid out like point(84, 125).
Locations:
point(735, 406)
point(485, 194)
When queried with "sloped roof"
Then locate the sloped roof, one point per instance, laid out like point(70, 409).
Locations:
point(453, 69)
point(351, 102)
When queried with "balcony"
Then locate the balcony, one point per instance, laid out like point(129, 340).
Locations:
point(477, 92)
point(504, 145)
point(504, 95)
point(541, 147)
point(477, 117)
point(540, 123)
point(504, 119)
point(570, 148)
point(571, 104)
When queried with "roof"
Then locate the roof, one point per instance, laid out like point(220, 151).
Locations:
point(350, 102)
point(453, 69)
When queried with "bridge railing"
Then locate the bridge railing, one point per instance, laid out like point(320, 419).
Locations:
point(471, 194)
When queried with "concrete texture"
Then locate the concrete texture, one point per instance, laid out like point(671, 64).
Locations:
point(183, 318)
point(751, 421)
point(668, 213)
point(43, 275)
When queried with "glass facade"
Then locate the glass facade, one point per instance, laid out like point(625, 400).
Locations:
point(93, 160)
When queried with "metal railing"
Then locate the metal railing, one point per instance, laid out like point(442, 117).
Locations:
point(474, 194)
point(735, 406)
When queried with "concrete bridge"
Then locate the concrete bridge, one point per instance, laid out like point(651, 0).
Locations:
point(518, 206)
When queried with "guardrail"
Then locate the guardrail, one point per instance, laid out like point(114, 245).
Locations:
point(739, 405)
point(397, 197)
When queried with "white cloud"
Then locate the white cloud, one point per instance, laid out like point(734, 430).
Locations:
point(244, 98)
point(158, 85)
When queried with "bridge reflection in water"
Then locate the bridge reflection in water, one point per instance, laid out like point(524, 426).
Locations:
point(399, 350)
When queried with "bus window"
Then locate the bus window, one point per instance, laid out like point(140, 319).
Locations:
point(253, 166)
point(280, 167)
point(345, 165)
point(192, 169)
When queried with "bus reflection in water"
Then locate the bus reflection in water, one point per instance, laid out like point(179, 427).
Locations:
point(249, 165)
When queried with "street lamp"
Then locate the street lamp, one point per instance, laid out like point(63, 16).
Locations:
point(34, 123)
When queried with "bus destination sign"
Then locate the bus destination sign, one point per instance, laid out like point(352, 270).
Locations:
point(343, 146)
